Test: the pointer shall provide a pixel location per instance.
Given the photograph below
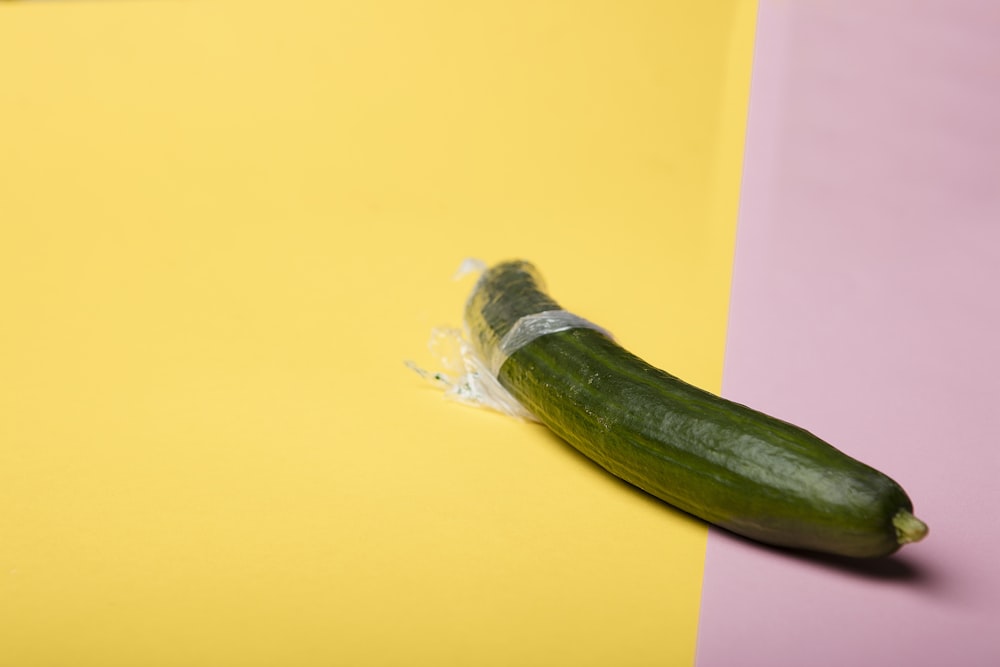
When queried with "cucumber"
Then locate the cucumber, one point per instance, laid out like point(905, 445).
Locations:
point(723, 462)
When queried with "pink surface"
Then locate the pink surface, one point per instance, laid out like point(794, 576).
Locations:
point(865, 308)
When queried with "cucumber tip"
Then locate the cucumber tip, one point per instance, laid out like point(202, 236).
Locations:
point(908, 527)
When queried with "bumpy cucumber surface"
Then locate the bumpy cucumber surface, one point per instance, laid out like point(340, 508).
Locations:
point(732, 466)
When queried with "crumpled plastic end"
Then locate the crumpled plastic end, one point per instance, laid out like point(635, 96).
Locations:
point(465, 377)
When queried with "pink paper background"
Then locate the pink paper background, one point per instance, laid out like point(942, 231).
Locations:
point(865, 308)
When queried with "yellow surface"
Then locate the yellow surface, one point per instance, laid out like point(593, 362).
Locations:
point(224, 226)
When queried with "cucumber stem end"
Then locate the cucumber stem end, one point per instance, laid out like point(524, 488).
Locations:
point(908, 527)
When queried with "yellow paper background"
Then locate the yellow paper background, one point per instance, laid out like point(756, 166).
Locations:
point(224, 226)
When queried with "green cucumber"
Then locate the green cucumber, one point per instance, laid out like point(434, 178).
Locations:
point(732, 466)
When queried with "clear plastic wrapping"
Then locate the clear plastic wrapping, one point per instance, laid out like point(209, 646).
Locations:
point(531, 327)
point(465, 377)
point(470, 376)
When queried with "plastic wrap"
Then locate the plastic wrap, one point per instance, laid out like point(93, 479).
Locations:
point(469, 375)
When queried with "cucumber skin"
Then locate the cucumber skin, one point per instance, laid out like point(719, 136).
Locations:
point(723, 462)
